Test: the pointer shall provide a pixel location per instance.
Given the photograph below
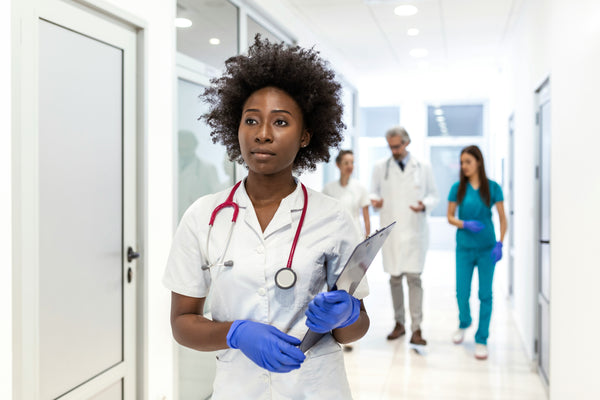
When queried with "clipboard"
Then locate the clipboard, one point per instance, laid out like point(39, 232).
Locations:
point(353, 272)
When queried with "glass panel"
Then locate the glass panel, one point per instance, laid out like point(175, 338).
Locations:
point(203, 166)
point(375, 121)
point(545, 172)
point(80, 206)
point(445, 162)
point(254, 28)
point(213, 36)
point(455, 120)
point(114, 392)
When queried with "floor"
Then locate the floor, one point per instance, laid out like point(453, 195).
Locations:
point(382, 369)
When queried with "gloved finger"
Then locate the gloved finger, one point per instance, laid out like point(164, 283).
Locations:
point(319, 310)
point(336, 296)
point(317, 327)
point(317, 317)
point(290, 355)
point(285, 337)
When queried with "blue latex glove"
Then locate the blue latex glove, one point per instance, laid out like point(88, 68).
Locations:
point(497, 252)
point(266, 345)
point(473, 226)
point(330, 310)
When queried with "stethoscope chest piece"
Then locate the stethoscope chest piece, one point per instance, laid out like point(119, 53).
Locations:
point(285, 278)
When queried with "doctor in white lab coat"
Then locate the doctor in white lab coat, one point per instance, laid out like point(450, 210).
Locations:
point(403, 189)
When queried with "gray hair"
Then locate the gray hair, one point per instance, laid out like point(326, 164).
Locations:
point(398, 131)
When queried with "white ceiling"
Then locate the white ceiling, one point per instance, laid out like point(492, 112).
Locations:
point(458, 34)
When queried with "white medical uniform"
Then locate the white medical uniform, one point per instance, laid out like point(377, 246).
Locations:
point(248, 291)
point(353, 197)
point(405, 249)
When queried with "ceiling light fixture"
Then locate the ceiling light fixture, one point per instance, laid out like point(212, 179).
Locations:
point(406, 10)
point(419, 53)
point(438, 111)
point(214, 41)
point(183, 22)
point(412, 32)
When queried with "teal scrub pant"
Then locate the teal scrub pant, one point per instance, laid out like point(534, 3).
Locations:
point(466, 260)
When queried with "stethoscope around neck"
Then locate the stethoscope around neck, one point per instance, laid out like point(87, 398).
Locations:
point(285, 278)
point(387, 167)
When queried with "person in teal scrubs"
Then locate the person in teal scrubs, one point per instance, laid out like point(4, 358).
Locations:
point(476, 243)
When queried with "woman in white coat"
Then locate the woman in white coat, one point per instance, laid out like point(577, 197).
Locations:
point(404, 191)
point(268, 268)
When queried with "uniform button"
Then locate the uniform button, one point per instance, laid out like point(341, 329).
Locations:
point(262, 291)
point(260, 249)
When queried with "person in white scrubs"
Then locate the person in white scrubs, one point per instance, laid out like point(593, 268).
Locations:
point(263, 112)
point(403, 189)
point(353, 196)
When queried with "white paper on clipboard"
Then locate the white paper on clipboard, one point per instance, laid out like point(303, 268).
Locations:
point(353, 272)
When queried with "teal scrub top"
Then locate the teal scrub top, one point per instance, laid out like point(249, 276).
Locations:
point(473, 208)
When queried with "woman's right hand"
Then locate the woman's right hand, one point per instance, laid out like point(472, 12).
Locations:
point(473, 226)
point(266, 345)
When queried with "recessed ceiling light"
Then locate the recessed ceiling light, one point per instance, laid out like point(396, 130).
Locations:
point(438, 111)
point(214, 41)
point(419, 53)
point(440, 118)
point(406, 10)
point(412, 32)
point(183, 22)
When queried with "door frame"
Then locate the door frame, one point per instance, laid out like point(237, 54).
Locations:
point(542, 96)
point(95, 19)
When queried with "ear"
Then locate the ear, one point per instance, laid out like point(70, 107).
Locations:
point(305, 138)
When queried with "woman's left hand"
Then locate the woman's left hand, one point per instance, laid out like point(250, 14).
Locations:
point(330, 310)
point(497, 252)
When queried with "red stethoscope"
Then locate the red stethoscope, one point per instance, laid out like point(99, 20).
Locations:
point(285, 278)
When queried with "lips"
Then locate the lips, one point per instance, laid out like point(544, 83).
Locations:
point(262, 153)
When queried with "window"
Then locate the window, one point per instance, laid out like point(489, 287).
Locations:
point(213, 36)
point(455, 120)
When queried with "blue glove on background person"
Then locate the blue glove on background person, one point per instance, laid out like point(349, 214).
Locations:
point(266, 345)
point(497, 252)
point(473, 226)
point(330, 310)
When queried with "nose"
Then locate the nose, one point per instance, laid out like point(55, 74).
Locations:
point(263, 134)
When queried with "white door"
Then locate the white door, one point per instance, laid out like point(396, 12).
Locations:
point(84, 182)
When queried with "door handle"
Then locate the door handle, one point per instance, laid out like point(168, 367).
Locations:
point(544, 241)
point(131, 255)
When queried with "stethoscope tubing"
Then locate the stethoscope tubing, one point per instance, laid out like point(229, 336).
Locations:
point(230, 203)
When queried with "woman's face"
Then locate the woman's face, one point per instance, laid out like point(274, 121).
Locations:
point(271, 131)
point(469, 165)
point(346, 165)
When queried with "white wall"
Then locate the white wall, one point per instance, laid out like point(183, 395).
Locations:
point(575, 200)
point(5, 204)
point(160, 84)
point(527, 66)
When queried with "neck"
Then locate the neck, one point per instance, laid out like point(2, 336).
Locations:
point(344, 180)
point(266, 189)
point(474, 180)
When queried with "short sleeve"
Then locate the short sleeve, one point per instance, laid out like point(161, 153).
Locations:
point(453, 195)
point(183, 273)
point(497, 194)
point(364, 200)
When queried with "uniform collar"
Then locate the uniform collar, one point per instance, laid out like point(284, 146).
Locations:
point(283, 216)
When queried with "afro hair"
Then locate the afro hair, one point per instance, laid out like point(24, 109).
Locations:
point(299, 72)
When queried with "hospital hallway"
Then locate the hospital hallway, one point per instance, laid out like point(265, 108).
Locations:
point(382, 369)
